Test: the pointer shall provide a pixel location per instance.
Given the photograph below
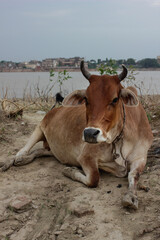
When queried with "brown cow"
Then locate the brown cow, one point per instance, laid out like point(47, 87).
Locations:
point(103, 127)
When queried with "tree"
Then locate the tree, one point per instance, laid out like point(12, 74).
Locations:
point(130, 62)
point(148, 63)
point(109, 68)
point(61, 78)
point(120, 61)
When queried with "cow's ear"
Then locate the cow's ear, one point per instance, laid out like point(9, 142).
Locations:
point(129, 98)
point(75, 98)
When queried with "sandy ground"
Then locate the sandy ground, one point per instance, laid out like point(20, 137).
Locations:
point(64, 209)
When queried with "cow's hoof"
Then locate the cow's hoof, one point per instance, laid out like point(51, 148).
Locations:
point(4, 166)
point(130, 201)
point(22, 160)
point(70, 172)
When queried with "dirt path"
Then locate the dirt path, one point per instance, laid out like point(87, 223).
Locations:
point(63, 209)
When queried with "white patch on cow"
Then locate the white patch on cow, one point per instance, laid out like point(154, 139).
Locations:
point(100, 137)
point(112, 134)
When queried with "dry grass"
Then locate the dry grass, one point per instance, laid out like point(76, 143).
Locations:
point(151, 104)
point(34, 104)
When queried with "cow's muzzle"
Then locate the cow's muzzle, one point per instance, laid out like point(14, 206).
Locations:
point(91, 135)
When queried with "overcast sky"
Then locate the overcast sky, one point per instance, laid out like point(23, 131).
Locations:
point(39, 29)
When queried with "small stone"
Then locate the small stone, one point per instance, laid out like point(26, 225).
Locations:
point(105, 220)
point(52, 237)
point(35, 206)
point(127, 213)
point(79, 231)
point(74, 228)
point(64, 226)
point(80, 226)
point(20, 204)
point(108, 192)
point(83, 211)
point(57, 233)
point(41, 112)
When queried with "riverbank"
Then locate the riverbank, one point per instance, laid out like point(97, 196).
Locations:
point(70, 70)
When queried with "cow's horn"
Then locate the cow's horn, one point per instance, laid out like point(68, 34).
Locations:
point(123, 74)
point(85, 71)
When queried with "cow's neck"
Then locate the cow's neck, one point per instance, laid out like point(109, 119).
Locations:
point(120, 136)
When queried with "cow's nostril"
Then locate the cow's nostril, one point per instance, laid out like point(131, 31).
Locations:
point(96, 133)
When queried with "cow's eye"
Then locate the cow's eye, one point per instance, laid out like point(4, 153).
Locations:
point(115, 100)
point(86, 100)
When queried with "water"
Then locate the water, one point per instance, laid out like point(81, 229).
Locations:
point(29, 83)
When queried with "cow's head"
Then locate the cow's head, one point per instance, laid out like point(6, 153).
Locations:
point(103, 99)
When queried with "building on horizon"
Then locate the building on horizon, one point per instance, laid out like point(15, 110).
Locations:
point(158, 59)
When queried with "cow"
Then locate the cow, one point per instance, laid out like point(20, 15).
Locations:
point(103, 127)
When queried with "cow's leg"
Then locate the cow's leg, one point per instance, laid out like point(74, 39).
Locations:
point(90, 177)
point(25, 159)
point(36, 136)
point(114, 168)
point(130, 199)
point(22, 156)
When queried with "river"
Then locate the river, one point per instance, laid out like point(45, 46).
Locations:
point(21, 84)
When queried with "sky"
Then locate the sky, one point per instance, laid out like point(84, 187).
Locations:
point(93, 29)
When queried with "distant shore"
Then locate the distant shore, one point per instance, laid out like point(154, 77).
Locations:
point(70, 70)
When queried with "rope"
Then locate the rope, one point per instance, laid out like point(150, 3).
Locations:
point(118, 138)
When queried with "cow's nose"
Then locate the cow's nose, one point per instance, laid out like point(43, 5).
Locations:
point(91, 134)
